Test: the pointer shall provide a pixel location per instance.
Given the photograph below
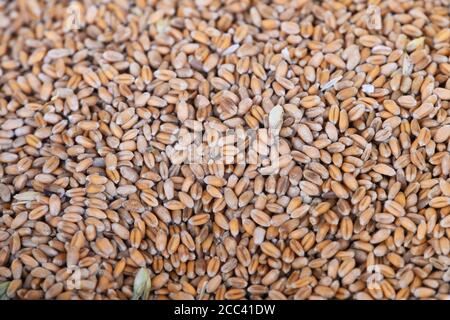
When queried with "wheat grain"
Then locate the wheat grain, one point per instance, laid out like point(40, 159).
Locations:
point(225, 151)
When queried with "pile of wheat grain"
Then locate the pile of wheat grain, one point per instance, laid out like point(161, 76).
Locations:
point(343, 113)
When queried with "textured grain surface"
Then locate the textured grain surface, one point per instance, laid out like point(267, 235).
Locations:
point(224, 149)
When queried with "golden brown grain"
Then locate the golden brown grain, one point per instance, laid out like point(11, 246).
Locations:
point(209, 150)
